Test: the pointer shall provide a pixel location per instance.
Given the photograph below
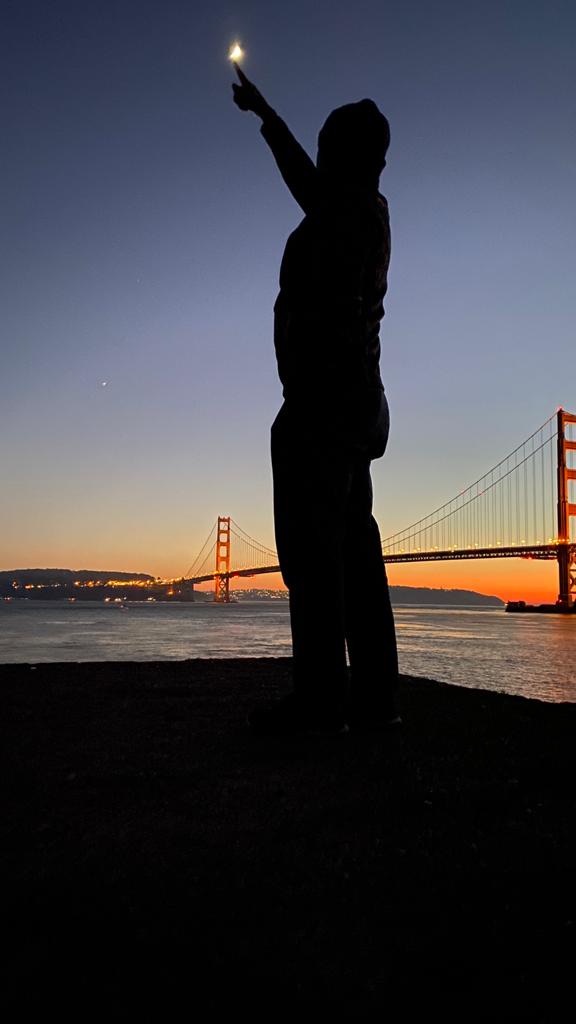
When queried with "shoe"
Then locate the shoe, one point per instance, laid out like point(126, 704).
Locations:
point(291, 717)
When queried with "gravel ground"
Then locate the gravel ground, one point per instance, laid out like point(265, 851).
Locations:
point(160, 863)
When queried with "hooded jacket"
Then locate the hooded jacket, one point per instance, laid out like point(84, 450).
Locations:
point(333, 280)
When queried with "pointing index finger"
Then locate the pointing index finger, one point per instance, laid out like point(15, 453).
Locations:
point(240, 73)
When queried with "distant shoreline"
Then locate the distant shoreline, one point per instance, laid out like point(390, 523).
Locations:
point(487, 605)
point(107, 586)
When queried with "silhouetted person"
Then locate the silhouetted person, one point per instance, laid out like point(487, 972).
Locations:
point(333, 422)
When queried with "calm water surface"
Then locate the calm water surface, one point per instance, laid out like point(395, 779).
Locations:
point(532, 655)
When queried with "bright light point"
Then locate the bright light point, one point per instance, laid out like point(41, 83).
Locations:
point(103, 383)
point(236, 52)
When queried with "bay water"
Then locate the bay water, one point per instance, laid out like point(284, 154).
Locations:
point(485, 648)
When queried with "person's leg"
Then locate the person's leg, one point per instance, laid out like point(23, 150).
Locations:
point(310, 497)
point(370, 630)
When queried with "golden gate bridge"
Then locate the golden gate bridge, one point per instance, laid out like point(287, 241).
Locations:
point(521, 508)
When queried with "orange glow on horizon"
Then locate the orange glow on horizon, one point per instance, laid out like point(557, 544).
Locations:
point(515, 579)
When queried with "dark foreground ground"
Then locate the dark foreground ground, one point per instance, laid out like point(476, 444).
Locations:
point(162, 864)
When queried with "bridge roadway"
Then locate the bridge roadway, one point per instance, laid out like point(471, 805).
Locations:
point(540, 551)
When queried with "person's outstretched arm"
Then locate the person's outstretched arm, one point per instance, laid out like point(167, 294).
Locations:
point(295, 166)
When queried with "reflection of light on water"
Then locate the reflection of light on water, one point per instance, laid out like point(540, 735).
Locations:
point(490, 650)
point(440, 632)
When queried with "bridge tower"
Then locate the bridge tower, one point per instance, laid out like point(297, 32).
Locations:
point(566, 509)
point(222, 576)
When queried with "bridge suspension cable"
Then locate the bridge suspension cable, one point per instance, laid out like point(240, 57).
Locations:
point(248, 551)
point(512, 505)
point(204, 561)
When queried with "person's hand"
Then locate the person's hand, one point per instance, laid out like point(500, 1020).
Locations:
point(248, 97)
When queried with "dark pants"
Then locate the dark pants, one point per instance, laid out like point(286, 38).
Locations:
point(331, 560)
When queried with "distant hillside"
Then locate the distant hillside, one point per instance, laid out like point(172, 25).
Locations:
point(57, 584)
point(429, 595)
point(65, 576)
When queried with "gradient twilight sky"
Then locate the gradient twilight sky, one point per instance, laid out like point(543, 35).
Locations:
point(143, 225)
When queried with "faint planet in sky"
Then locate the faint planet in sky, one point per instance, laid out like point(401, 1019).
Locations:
point(103, 383)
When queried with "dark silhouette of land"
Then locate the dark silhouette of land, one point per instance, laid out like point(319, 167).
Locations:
point(160, 862)
point(58, 584)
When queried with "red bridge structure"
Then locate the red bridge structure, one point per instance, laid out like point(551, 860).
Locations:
point(522, 508)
